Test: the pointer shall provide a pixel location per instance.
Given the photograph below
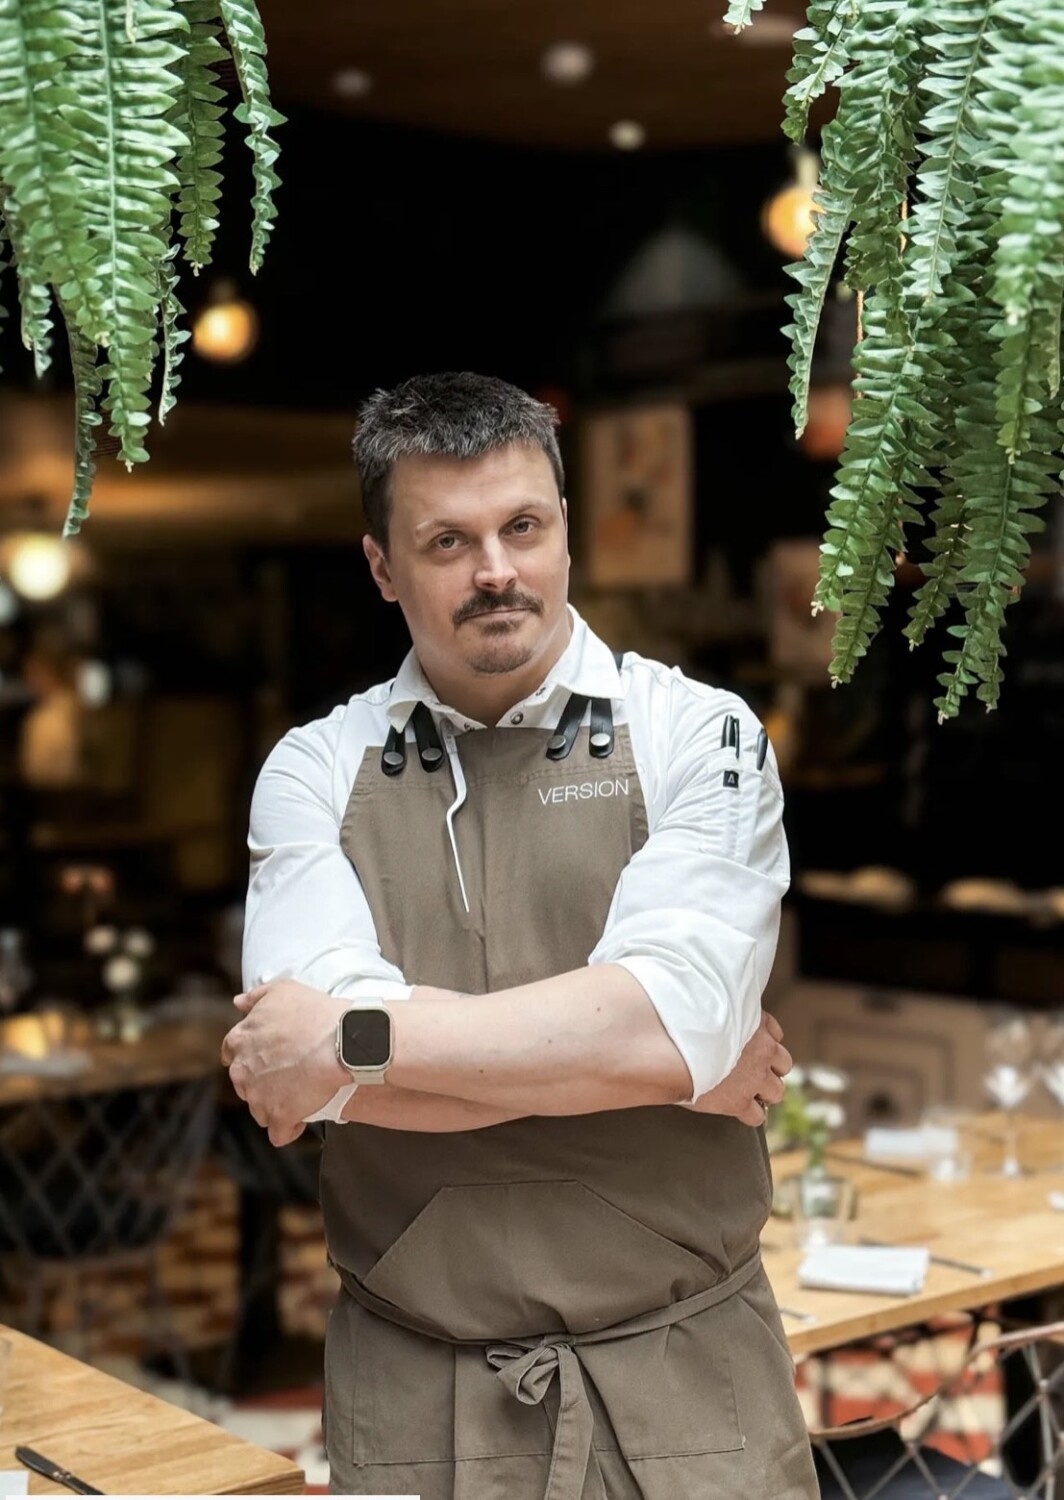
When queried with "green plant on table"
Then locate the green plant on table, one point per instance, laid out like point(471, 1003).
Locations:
point(811, 1111)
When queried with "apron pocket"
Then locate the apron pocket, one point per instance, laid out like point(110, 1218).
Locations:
point(520, 1260)
point(671, 1392)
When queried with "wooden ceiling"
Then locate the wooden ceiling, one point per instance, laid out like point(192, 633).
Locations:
point(473, 67)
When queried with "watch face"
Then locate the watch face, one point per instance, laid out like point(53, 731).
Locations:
point(366, 1038)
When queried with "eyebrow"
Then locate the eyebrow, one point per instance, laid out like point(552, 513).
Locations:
point(443, 524)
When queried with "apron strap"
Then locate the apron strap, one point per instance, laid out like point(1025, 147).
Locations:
point(429, 749)
point(564, 737)
point(393, 756)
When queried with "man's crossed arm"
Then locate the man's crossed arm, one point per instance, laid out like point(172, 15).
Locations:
point(578, 1043)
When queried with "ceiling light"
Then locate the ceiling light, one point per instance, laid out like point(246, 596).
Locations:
point(227, 329)
point(352, 83)
point(627, 135)
point(38, 564)
point(789, 218)
point(568, 62)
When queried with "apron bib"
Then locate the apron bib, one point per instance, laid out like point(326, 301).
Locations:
point(553, 1308)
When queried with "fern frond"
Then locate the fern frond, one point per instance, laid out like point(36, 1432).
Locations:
point(199, 117)
point(87, 387)
point(821, 53)
point(37, 163)
point(740, 13)
point(877, 117)
point(248, 46)
point(170, 310)
point(834, 200)
point(957, 46)
point(124, 150)
point(35, 297)
point(889, 447)
point(5, 265)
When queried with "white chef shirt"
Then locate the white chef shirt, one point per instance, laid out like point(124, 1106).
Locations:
point(695, 915)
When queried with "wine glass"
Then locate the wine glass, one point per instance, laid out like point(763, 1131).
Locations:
point(1010, 1074)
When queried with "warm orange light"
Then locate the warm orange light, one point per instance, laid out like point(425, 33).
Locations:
point(830, 409)
point(227, 329)
point(789, 218)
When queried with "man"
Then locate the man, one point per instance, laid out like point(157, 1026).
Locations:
point(535, 889)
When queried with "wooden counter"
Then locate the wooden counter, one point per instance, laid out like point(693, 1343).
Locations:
point(122, 1440)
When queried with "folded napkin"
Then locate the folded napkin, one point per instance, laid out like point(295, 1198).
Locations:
point(888, 1142)
point(13, 1482)
point(894, 1271)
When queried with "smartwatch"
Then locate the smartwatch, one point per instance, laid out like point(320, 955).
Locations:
point(364, 1042)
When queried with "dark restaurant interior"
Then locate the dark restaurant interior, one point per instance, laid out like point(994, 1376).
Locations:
point(612, 240)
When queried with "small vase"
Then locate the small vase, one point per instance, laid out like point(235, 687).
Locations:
point(823, 1208)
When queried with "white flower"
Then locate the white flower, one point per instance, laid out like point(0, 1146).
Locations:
point(100, 939)
point(138, 942)
point(825, 1112)
point(121, 972)
point(829, 1080)
point(796, 1077)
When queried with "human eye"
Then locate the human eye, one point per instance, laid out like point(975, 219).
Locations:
point(446, 543)
point(524, 526)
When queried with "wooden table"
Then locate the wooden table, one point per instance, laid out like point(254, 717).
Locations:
point(122, 1440)
point(1005, 1226)
point(168, 1053)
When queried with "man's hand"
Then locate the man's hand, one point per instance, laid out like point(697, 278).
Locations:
point(282, 1056)
point(756, 1080)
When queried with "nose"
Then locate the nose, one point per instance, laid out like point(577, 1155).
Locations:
point(495, 570)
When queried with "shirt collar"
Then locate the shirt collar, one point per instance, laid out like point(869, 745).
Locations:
point(585, 666)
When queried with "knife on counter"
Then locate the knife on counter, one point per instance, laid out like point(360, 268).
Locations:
point(55, 1472)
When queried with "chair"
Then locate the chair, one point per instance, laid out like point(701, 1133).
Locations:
point(96, 1180)
point(924, 1452)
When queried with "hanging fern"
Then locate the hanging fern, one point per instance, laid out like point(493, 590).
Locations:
point(110, 137)
point(741, 13)
point(943, 184)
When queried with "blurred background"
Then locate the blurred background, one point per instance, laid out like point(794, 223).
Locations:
point(594, 202)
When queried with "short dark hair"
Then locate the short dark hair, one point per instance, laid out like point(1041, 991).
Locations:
point(457, 415)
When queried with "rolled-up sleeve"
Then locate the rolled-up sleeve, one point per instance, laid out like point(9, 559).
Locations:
point(696, 913)
point(307, 917)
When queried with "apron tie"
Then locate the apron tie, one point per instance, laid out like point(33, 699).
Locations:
point(527, 1375)
point(527, 1367)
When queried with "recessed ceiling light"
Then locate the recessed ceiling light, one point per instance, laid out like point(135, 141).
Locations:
point(352, 83)
point(568, 62)
point(627, 135)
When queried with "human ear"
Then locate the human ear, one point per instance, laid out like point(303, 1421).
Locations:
point(378, 567)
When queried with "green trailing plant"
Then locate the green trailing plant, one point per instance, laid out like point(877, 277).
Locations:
point(111, 125)
point(941, 203)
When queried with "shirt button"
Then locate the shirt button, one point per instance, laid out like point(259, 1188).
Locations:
point(517, 718)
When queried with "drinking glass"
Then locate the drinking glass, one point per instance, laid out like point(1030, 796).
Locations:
point(1010, 1074)
point(1052, 1068)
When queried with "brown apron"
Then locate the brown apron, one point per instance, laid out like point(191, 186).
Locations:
point(570, 1308)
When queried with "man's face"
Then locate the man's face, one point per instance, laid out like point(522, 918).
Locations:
point(477, 559)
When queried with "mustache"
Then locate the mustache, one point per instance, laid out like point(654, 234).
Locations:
point(487, 604)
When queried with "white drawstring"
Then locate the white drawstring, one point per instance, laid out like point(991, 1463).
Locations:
point(459, 799)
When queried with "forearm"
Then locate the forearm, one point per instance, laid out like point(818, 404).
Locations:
point(392, 1108)
point(579, 1043)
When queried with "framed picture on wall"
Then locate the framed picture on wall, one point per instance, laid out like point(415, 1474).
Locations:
point(637, 494)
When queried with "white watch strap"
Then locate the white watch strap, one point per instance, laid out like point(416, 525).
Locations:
point(335, 1107)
